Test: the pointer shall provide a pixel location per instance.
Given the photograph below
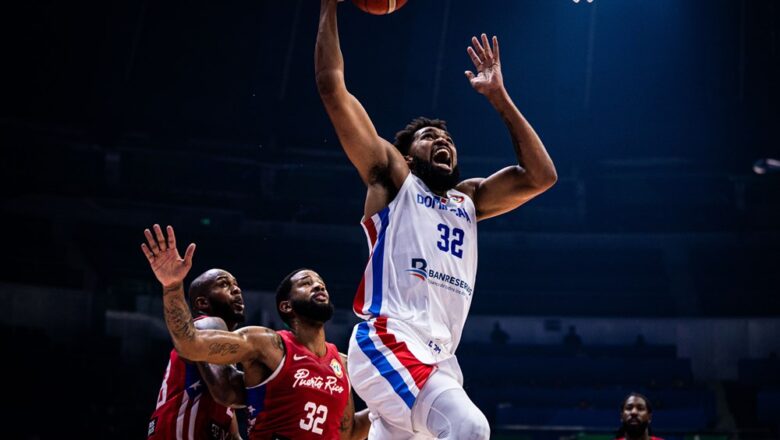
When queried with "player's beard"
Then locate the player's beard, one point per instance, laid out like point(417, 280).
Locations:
point(313, 310)
point(435, 178)
point(226, 311)
point(635, 430)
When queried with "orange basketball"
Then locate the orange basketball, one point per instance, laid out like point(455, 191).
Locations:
point(379, 7)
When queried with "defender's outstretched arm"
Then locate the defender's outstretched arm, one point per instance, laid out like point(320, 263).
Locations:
point(212, 346)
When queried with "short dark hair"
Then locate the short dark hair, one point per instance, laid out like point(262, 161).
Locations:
point(648, 405)
point(404, 138)
point(283, 294)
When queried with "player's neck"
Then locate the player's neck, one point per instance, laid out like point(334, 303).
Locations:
point(312, 336)
point(644, 436)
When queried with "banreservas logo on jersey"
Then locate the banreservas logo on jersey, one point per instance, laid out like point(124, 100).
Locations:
point(421, 271)
point(419, 268)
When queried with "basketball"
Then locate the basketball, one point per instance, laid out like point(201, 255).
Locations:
point(379, 7)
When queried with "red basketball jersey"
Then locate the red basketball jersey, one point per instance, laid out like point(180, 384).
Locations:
point(185, 409)
point(304, 399)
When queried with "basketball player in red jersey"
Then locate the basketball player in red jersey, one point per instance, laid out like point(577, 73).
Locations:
point(186, 409)
point(636, 413)
point(420, 219)
point(296, 383)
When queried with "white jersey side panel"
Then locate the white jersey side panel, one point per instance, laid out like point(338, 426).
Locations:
point(423, 262)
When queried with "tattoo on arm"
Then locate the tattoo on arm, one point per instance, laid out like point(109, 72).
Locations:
point(178, 317)
point(222, 349)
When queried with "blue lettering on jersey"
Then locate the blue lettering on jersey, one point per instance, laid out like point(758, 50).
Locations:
point(433, 202)
point(443, 204)
point(457, 282)
point(460, 212)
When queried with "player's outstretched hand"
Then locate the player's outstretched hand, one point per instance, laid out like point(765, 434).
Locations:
point(487, 62)
point(166, 263)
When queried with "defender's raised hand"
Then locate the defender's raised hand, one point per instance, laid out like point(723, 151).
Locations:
point(166, 263)
point(487, 61)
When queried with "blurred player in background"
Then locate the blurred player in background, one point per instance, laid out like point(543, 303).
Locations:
point(636, 413)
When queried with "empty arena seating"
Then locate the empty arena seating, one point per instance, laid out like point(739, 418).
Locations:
point(538, 387)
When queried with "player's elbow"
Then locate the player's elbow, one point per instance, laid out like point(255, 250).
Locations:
point(329, 83)
point(549, 178)
point(188, 351)
point(544, 179)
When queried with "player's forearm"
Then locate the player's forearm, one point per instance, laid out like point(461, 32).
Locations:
point(187, 339)
point(237, 398)
point(328, 61)
point(225, 383)
point(178, 319)
point(529, 149)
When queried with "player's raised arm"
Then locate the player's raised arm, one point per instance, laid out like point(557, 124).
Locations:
point(213, 346)
point(376, 159)
point(534, 173)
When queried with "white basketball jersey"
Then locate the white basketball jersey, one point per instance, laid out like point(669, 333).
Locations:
point(423, 262)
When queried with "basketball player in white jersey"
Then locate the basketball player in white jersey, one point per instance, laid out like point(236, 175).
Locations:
point(420, 220)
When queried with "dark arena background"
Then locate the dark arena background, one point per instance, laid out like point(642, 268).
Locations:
point(653, 265)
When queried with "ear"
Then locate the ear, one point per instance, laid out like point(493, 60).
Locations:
point(408, 160)
point(285, 307)
point(202, 303)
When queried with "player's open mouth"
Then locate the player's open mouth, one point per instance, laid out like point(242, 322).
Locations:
point(321, 296)
point(442, 158)
point(238, 306)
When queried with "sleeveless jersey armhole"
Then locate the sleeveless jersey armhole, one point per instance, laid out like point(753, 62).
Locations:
point(273, 375)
